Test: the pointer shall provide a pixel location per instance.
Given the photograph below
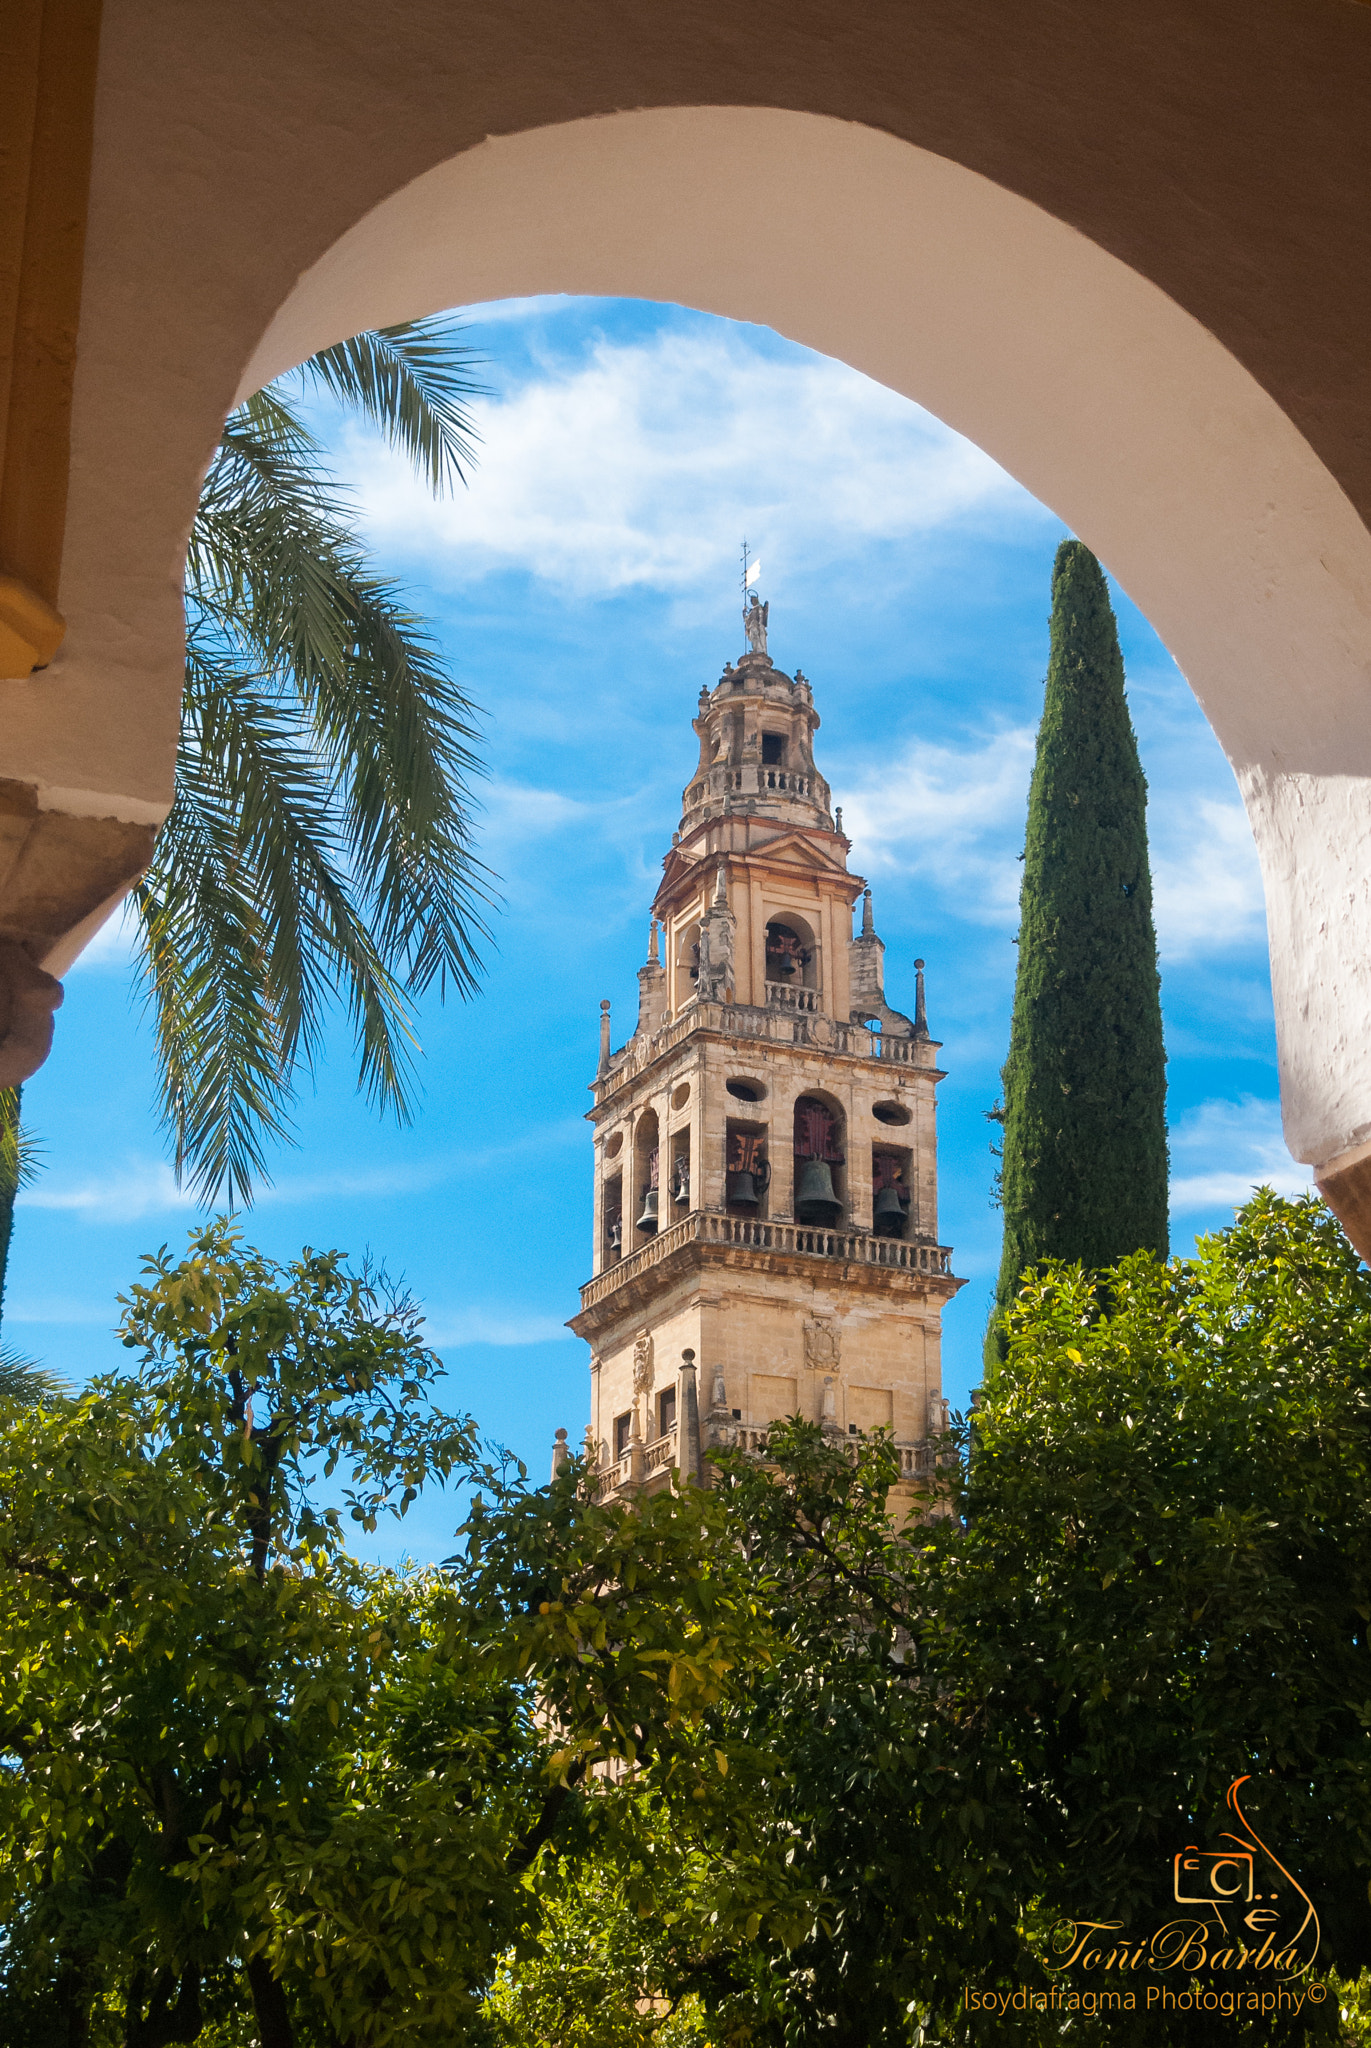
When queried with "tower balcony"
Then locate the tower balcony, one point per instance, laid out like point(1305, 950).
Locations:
point(790, 1016)
point(646, 1467)
point(715, 1237)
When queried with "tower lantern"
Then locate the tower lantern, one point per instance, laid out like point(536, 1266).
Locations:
point(765, 1147)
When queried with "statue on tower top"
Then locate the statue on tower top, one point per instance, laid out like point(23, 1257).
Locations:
point(754, 622)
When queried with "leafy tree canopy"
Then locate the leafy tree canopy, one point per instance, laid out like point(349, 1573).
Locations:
point(245, 1772)
point(1155, 1577)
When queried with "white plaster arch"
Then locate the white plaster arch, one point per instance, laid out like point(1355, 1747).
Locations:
point(1098, 392)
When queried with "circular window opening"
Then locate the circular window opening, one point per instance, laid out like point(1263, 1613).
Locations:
point(892, 1113)
point(681, 1096)
point(746, 1091)
point(615, 1146)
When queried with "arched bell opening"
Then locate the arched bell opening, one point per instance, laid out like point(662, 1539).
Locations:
point(613, 1248)
point(646, 1178)
point(893, 1212)
point(686, 964)
point(747, 1177)
point(792, 957)
point(678, 1174)
point(820, 1162)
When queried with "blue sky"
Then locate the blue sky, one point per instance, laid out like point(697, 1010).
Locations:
point(583, 588)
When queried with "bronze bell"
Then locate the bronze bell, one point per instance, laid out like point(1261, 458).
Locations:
point(616, 1235)
point(815, 1199)
point(887, 1215)
point(648, 1219)
point(742, 1191)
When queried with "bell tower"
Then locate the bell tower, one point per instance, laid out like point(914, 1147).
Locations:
point(766, 1222)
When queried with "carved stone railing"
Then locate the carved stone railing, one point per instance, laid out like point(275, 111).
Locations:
point(782, 1021)
point(918, 1456)
point(762, 780)
point(789, 995)
point(713, 1226)
point(661, 1454)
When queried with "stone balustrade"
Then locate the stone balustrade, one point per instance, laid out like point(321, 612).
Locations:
point(783, 1020)
point(714, 1226)
point(752, 780)
point(789, 995)
point(918, 1456)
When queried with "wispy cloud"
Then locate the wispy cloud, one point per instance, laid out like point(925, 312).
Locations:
point(141, 1187)
point(1206, 881)
point(497, 1326)
point(114, 947)
point(596, 475)
point(147, 1187)
point(517, 811)
point(60, 1310)
point(953, 816)
point(1225, 1149)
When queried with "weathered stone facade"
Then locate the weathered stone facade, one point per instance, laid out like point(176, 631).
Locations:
point(765, 1229)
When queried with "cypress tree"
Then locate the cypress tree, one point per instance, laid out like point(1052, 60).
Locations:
point(1085, 1164)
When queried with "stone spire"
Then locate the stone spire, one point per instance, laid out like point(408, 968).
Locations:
point(651, 985)
point(920, 1010)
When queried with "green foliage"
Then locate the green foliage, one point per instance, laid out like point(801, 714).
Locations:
point(21, 1379)
point(1084, 1174)
point(1166, 1578)
point(319, 847)
point(245, 1772)
point(620, 1939)
point(1156, 1577)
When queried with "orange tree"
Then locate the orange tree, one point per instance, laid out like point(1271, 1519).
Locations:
point(249, 1780)
point(1153, 1577)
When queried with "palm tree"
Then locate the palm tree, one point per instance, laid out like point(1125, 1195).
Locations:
point(319, 849)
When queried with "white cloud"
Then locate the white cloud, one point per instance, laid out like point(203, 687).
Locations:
point(1230, 1148)
point(147, 1187)
point(1206, 881)
point(142, 1187)
point(517, 811)
point(596, 475)
point(114, 946)
point(953, 816)
point(492, 1326)
point(61, 1309)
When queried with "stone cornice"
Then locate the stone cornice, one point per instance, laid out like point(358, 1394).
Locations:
point(710, 1238)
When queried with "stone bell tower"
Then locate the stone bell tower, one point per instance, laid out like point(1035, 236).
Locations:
point(766, 1224)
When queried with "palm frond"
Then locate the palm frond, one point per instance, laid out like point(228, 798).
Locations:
point(414, 382)
point(24, 1381)
point(21, 1156)
point(320, 848)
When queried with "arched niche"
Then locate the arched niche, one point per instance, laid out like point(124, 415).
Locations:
point(646, 1199)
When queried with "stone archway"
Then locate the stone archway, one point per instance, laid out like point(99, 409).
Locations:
point(1105, 398)
point(223, 248)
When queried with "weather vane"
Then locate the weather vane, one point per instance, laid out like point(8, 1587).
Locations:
point(751, 574)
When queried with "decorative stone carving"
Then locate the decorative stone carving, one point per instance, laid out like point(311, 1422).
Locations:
point(642, 1362)
point(821, 1344)
point(830, 1401)
point(754, 623)
point(714, 980)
